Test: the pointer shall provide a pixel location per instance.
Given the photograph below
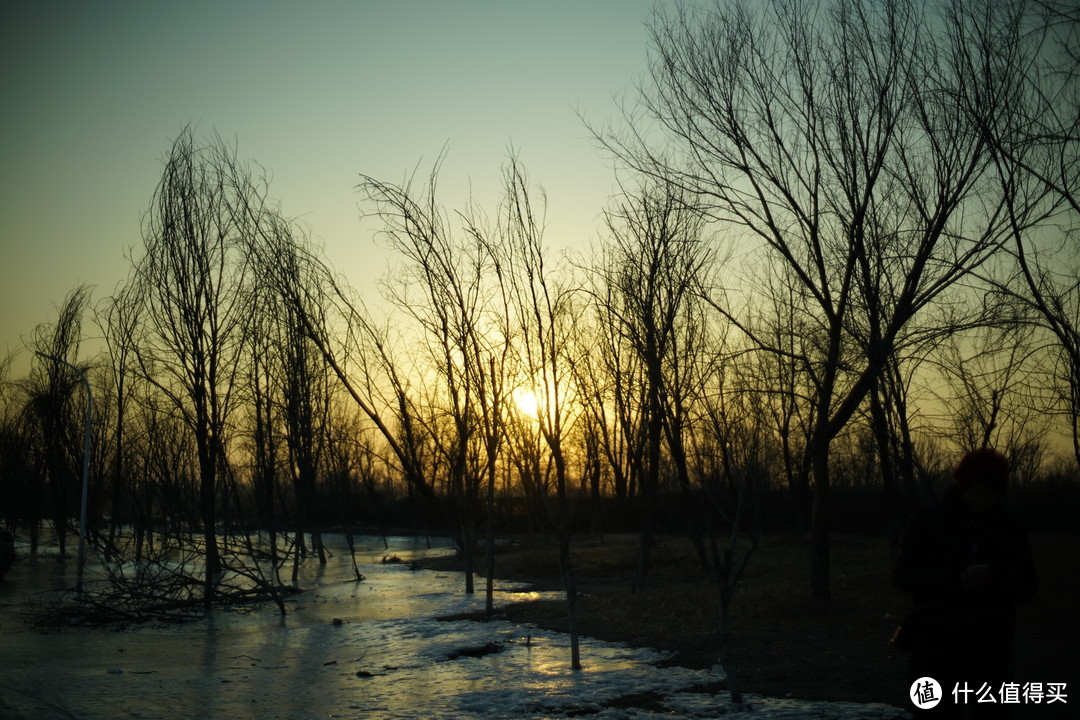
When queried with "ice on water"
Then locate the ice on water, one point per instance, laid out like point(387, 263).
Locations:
point(351, 650)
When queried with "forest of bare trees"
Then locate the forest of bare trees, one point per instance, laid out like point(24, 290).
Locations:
point(843, 252)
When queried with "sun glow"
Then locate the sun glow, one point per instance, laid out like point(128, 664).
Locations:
point(527, 402)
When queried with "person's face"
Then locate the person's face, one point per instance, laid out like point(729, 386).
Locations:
point(980, 498)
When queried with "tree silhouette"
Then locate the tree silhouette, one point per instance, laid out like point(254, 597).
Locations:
point(541, 308)
point(448, 293)
point(656, 261)
point(829, 139)
point(191, 281)
point(1029, 117)
point(52, 407)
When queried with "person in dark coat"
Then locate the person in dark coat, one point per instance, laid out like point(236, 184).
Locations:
point(967, 563)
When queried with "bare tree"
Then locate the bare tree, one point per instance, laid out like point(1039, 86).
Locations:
point(731, 448)
point(20, 484)
point(826, 134)
point(890, 423)
point(452, 276)
point(306, 396)
point(349, 461)
point(357, 351)
point(610, 379)
point(656, 266)
point(540, 303)
point(992, 394)
point(117, 317)
point(595, 349)
point(1030, 119)
point(51, 404)
point(263, 427)
point(781, 320)
point(190, 279)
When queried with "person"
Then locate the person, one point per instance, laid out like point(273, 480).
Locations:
point(966, 562)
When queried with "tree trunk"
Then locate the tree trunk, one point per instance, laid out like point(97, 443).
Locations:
point(820, 525)
point(888, 471)
point(727, 650)
point(467, 557)
point(570, 584)
point(208, 492)
point(645, 548)
point(489, 599)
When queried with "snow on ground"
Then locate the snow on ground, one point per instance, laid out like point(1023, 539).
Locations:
point(349, 650)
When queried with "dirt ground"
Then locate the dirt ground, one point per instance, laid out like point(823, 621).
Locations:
point(786, 646)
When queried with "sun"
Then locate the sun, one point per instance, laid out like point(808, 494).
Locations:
point(527, 402)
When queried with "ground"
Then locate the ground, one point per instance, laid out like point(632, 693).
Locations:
point(785, 645)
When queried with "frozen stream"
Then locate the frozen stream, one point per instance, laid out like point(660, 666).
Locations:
point(387, 657)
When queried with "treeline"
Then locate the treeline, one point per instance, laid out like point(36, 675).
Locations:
point(843, 252)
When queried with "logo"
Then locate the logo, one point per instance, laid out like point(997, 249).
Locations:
point(926, 693)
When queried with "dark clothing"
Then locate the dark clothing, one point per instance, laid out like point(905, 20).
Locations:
point(959, 634)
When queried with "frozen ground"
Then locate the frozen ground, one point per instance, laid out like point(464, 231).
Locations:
point(348, 650)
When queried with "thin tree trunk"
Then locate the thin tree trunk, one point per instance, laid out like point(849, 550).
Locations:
point(208, 498)
point(727, 648)
point(820, 527)
point(467, 558)
point(570, 584)
point(489, 600)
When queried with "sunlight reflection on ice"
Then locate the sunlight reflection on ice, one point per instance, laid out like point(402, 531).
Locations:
point(387, 658)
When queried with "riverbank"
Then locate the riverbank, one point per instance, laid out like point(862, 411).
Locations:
point(785, 645)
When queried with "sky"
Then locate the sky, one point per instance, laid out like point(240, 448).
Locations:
point(317, 92)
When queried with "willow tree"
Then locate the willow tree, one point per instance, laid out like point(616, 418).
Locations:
point(118, 319)
point(288, 376)
point(190, 280)
point(825, 134)
point(51, 407)
point(449, 286)
point(322, 310)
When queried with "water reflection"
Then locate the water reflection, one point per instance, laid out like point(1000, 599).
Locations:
point(384, 653)
point(344, 650)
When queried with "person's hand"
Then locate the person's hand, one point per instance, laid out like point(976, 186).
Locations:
point(975, 577)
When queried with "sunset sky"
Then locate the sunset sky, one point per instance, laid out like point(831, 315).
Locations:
point(93, 94)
